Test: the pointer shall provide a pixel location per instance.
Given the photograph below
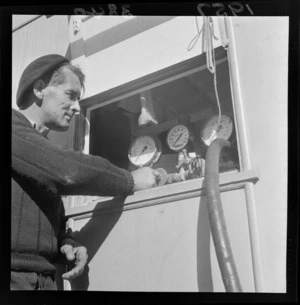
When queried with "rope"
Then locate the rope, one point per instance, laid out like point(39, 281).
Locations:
point(195, 39)
point(208, 35)
point(207, 47)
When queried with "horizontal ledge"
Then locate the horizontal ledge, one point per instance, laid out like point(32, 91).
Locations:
point(159, 195)
point(109, 37)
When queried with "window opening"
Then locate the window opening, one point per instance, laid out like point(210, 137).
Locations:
point(180, 121)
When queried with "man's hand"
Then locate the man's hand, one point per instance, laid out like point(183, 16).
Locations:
point(144, 178)
point(79, 254)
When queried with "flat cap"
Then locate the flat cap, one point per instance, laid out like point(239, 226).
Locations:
point(33, 72)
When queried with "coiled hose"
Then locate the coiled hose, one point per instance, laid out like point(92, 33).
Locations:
point(216, 217)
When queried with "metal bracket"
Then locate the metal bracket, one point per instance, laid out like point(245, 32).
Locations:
point(76, 24)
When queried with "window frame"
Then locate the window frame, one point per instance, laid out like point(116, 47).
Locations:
point(81, 138)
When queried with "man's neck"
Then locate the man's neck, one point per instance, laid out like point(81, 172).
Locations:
point(41, 129)
point(32, 115)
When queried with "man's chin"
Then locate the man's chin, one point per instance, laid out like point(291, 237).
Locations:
point(61, 128)
point(65, 128)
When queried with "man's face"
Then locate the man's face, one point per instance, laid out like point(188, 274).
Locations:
point(61, 102)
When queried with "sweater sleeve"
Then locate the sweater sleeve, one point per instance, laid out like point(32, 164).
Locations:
point(70, 172)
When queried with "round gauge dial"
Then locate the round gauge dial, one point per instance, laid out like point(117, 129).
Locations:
point(178, 137)
point(144, 150)
point(212, 130)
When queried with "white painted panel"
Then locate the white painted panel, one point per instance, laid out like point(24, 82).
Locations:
point(262, 49)
point(145, 53)
point(165, 247)
point(158, 248)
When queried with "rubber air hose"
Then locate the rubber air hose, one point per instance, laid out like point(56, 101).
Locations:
point(216, 217)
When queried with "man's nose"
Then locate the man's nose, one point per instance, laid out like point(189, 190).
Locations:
point(76, 106)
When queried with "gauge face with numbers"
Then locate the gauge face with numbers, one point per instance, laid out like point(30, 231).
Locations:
point(212, 130)
point(178, 137)
point(144, 150)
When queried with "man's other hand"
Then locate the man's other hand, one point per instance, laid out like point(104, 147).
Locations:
point(79, 254)
point(145, 178)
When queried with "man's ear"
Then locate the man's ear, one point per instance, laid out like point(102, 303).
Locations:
point(38, 89)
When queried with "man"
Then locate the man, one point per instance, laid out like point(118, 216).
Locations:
point(49, 91)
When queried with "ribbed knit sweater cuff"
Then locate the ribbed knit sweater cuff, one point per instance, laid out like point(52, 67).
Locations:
point(130, 183)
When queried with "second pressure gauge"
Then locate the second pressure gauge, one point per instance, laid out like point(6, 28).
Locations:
point(212, 130)
point(178, 137)
point(144, 150)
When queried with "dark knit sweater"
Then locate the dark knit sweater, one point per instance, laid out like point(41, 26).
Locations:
point(41, 173)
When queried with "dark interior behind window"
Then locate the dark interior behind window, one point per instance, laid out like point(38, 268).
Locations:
point(189, 100)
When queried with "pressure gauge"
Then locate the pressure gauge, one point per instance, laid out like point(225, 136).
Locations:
point(178, 137)
point(212, 130)
point(144, 150)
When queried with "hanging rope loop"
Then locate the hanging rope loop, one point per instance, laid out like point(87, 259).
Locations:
point(208, 47)
point(208, 35)
point(207, 43)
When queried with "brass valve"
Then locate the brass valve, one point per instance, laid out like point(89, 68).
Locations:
point(189, 168)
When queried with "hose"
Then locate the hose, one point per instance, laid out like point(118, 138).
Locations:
point(216, 217)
